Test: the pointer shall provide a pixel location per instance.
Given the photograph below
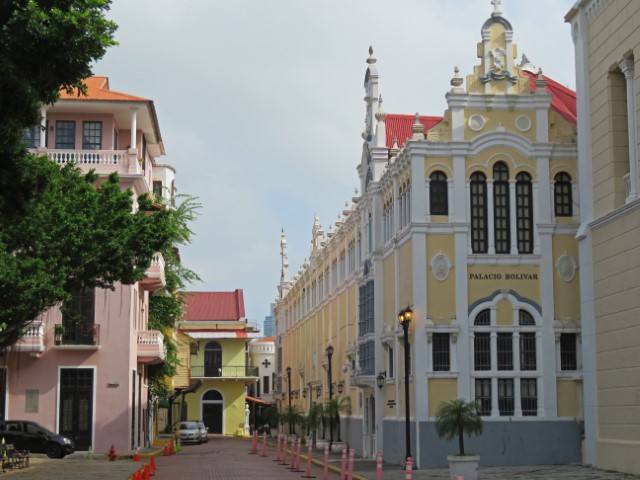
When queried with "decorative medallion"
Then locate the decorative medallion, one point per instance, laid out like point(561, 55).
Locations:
point(476, 122)
point(440, 266)
point(523, 123)
point(566, 267)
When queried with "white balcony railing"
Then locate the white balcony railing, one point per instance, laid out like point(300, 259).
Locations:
point(32, 340)
point(150, 346)
point(89, 157)
point(155, 279)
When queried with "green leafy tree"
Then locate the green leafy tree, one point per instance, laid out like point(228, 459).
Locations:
point(457, 417)
point(292, 416)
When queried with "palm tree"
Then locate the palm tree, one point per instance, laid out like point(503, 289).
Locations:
point(333, 408)
point(457, 417)
point(313, 419)
point(292, 416)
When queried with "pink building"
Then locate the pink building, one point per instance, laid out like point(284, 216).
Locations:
point(87, 380)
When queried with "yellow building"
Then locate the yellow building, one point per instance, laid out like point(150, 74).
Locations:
point(218, 372)
point(606, 37)
point(469, 220)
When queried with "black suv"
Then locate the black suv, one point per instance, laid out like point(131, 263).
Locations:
point(30, 436)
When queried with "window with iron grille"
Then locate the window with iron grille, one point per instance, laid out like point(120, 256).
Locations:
point(365, 323)
point(483, 318)
point(438, 201)
point(483, 395)
point(506, 402)
point(501, 226)
point(441, 352)
point(505, 351)
point(529, 396)
point(478, 187)
point(568, 352)
point(563, 195)
point(265, 384)
point(482, 351)
point(366, 358)
point(524, 213)
point(92, 135)
point(390, 369)
point(527, 351)
point(65, 134)
point(525, 318)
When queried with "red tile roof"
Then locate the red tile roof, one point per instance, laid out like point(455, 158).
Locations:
point(267, 339)
point(98, 89)
point(399, 126)
point(563, 100)
point(214, 306)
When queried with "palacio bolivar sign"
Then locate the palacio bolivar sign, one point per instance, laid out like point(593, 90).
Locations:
point(503, 276)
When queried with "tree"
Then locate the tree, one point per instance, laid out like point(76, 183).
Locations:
point(292, 416)
point(332, 410)
point(457, 417)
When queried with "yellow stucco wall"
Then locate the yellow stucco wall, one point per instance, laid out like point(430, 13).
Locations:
point(406, 278)
point(233, 406)
point(389, 291)
point(437, 290)
point(486, 279)
point(441, 390)
point(566, 294)
point(569, 394)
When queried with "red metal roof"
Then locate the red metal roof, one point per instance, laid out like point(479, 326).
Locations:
point(214, 306)
point(563, 100)
point(399, 126)
point(98, 89)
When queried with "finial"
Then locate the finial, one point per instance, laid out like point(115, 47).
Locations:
point(540, 82)
point(496, 8)
point(371, 60)
point(456, 81)
point(526, 65)
point(380, 114)
point(418, 129)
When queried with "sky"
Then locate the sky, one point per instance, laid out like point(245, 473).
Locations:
point(260, 105)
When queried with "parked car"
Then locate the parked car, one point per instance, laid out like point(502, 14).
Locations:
point(189, 432)
point(25, 435)
point(204, 432)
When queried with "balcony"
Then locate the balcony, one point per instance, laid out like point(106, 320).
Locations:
point(102, 161)
point(33, 339)
point(209, 371)
point(150, 347)
point(78, 336)
point(155, 279)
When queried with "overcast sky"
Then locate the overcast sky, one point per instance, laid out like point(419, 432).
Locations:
point(260, 104)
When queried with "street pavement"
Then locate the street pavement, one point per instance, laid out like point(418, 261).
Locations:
point(228, 458)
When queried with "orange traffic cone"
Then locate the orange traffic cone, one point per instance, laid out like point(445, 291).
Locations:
point(173, 448)
point(166, 450)
point(136, 457)
point(152, 466)
point(147, 475)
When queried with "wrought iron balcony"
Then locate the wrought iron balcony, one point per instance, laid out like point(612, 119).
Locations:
point(77, 335)
point(208, 371)
point(32, 340)
point(150, 347)
point(155, 279)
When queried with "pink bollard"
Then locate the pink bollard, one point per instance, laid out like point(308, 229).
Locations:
point(326, 462)
point(459, 477)
point(264, 444)
point(298, 444)
point(352, 454)
point(293, 453)
point(284, 449)
point(254, 443)
point(408, 473)
point(343, 470)
point(309, 453)
point(379, 465)
point(277, 459)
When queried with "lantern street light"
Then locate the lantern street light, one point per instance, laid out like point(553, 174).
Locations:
point(380, 379)
point(340, 387)
point(329, 355)
point(304, 393)
point(404, 317)
point(318, 391)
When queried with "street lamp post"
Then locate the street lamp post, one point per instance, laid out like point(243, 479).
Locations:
point(404, 317)
point(289, 387)
point(329, 355)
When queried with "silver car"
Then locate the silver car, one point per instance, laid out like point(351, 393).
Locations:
point(204, 431)
point(189, 432)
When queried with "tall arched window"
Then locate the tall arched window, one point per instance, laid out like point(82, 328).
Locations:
point(524, 213)
point(438, 201)
point(478, 213)
point(563, 196)
point(501, 226)
point(213, 360)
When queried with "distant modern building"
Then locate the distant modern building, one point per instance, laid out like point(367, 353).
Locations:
point(87, 379)
point(469, 221)
point(607, 42)
point(219, 371)
point(269, 325)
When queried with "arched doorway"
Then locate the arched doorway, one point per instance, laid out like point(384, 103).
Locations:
point(212, 408)
point(212, 360)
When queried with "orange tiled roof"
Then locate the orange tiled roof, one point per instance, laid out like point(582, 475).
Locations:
point(214, 306)
point(563, 100)
point(267, 339)
point(98, 89)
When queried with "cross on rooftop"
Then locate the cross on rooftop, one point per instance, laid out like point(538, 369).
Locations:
point(266, 363)
point(496, 6)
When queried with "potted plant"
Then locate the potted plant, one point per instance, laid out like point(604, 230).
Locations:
point(58, 331)
point(455, 418)
point(312, 422)
point(291, 416)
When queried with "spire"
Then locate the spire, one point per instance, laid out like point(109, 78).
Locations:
point(371, 95)
point(418, 129)
point(284, 270)
point(317, 234)
point(496, 8)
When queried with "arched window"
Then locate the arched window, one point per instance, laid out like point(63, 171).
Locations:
point(524, 213)
point(563, 196)
point(478, 213)
point(438, 201)
point(212, 395)
point(501, 226)
point(483, 318)
point(525, 318)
